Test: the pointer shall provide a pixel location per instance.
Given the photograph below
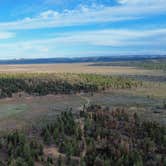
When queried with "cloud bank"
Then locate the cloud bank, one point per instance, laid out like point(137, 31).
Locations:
point(127, 10)
point(82, 41)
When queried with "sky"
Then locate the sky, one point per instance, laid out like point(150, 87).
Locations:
point(81, 28)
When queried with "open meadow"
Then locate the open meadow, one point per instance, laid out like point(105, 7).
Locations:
point(55, 102)
point(83, 83)
point(26, 109)
point(77, 68)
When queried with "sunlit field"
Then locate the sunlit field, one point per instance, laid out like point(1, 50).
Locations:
point(53, 102)
point(77, 68)
point(83, 83)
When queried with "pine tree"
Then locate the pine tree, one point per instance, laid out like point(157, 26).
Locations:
point(47, 136)
point(55, 135)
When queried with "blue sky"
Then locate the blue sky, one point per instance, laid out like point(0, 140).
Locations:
point(70, 28)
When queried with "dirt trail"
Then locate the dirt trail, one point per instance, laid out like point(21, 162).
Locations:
point(81, 121)
point(87, 102)
point(83, 139)
point(53, 151)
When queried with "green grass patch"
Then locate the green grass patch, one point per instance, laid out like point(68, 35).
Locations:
point(8, 110)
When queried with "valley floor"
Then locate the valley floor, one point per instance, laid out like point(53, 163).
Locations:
point(20, 111)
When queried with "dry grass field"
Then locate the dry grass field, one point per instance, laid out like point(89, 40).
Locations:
point(76, 68)
point(17, 112)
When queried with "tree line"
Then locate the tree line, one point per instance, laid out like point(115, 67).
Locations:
point(43, 84)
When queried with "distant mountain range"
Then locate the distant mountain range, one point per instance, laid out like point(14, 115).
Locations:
point(79, 60)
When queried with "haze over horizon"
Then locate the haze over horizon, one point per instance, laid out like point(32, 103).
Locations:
point(68, 28)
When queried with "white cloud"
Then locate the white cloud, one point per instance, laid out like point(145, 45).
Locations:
point(120, 41)
point(110, 37)
point(129, 9)
point(107, 37)
point(49, 14)
point(116, 41)
point(6, 35)
point(123, 1)
point(142, 2)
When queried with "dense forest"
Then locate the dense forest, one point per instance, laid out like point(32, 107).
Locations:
point(96, 136)
point(43, 84)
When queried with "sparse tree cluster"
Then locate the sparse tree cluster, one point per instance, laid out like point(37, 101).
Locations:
point(107, 137)
point(20, 150)
point(119, 138)
point(65, 133)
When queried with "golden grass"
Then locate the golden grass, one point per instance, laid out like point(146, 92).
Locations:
point(149, 89)
point(75, 68)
